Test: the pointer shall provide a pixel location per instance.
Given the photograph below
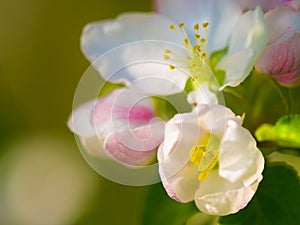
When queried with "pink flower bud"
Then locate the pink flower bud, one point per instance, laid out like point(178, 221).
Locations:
point(281, 57)
point(120, 125)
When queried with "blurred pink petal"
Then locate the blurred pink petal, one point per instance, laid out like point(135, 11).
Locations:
point(267, 5)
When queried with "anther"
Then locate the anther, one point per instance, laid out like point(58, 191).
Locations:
point(202, 40)
point(186, 41)
point(172, 27)
point(205, 25)
point(196, 26)
point(172, 67)
point(197, 36)
point(180, 25)
point(166, 57)
point(168, 51)
point(203, 55)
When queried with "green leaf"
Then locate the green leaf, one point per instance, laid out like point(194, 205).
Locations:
point(265, 132)
point(160, 209)
point(214, 60)
point(276, 201)
point(167, 106)
point(292, 160)
point(287, 131)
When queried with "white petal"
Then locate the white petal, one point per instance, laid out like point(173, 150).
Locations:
point(221, 14)
point(94, 147)
point(183, 184)
point(202, 95)
point(246, 44)
point(239, 159)
point(80, 121)
point(182, 133)
point(213, 118)
point(100, 37)
point(218, 196)
point(130, 50)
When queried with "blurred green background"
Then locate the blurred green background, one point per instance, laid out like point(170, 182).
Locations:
point(43, 177)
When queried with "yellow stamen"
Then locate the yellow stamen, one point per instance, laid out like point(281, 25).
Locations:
point(205, 25)
point(197, 52)
point(203, 175)
point(243, 117)
point(166, 57)
point(196, 26)
point(186, 41)
point(167, 51)
point(172, 67)
point(181, 25)
point(197, 154)
point(197, 36)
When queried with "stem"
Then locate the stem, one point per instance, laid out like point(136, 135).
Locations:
point(279, 89)
point(235, 93)
point(291, 100)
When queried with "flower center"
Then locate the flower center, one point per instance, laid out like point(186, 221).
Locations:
point(204, 160)
point(196, 61)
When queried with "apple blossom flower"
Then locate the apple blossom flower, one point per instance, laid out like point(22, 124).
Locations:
point(281, 57)
point(208, 157)
point(120, 125)
point(267, 5)
point(159, 52)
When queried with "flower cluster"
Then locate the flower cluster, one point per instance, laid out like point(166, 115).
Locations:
point(199, 47)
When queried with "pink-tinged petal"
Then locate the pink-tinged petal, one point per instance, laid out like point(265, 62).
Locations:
point(139, 148)
point(239, 159)
point(80, 121)
point(281, 21)
point(182, 186)
point(130, 50)
point(218, 196)
point(221, 15)
point(246, 44)
point(282, 60)
point(143, 138)
point(267, 5)
point(122, 108)
point(182, 133)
